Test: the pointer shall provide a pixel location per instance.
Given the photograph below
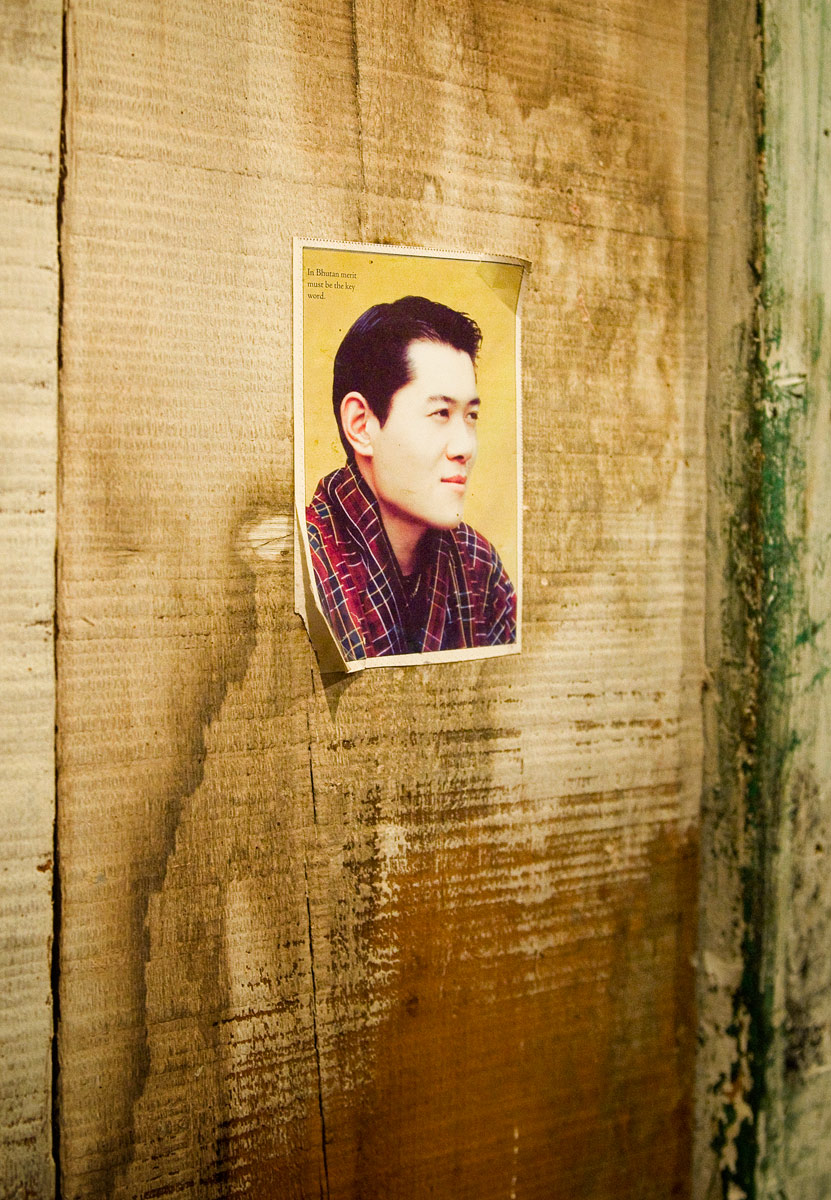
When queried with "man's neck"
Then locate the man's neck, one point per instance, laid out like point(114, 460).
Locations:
point(403, 532)
point(404, 537)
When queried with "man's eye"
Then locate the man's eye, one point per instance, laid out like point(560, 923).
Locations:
point(440, 412)
point(473, 415)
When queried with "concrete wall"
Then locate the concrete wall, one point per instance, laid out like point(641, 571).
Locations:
point(30, 84)
point(195, 143)
point(765, 997)
point(429, 932)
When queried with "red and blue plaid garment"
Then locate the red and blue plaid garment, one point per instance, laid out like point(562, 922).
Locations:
point(468, 600)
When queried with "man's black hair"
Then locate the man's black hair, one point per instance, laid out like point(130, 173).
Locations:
point(373, 358)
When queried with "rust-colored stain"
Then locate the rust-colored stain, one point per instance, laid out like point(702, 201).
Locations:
point(551, 1073)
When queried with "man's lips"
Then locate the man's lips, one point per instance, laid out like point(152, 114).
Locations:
point(456, 480)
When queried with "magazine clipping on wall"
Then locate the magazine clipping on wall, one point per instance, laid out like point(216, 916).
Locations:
point(408, 479)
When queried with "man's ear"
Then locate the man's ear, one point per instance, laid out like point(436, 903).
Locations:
point(359, 423)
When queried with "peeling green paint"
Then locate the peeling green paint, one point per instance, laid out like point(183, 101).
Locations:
point(741, 511)
point(781, 432)
point(777, 566)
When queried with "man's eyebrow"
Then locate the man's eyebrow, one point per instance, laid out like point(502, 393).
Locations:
point(474, 400)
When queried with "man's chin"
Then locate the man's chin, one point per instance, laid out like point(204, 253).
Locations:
point(451, 521)
point(436, 518)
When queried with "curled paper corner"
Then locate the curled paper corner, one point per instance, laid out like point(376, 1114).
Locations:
point(504, 280)
point(329, 655)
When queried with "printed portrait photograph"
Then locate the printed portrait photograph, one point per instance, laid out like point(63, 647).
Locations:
point(407, 454)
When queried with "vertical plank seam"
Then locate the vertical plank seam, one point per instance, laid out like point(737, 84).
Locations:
point(741, 772)
point(314, 1031)
point(748, 999)
point(361, 191)
point(312, 970)
point(55, 962)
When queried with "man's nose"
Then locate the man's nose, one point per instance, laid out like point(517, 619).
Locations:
point(461, 444)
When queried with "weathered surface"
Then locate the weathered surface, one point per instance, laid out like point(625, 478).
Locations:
point(795, 1137)
point(428, 932)
point(30, 84)
point(764, 1079)
point(727, 993)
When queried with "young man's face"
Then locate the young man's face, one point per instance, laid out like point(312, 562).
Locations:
point(423, 454)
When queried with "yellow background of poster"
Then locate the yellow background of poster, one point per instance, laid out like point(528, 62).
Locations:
point(488, 292)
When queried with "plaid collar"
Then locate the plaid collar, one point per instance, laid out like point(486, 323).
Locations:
point(375, 571)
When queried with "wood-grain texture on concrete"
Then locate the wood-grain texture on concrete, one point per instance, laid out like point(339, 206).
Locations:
point(30, 83)
point(763, 1093)
point(725, 1105)
point(428, 932)
point(794, 1154)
